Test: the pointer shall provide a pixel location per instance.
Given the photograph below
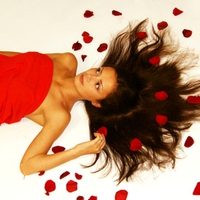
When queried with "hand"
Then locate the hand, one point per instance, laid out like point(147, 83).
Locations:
point(92, 147)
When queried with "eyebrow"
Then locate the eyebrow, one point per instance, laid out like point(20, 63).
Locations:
point(101, 80)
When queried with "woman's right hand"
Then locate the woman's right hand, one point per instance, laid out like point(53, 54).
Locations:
point(93, 146)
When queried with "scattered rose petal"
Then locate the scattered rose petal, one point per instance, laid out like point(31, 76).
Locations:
point(142, 35)
point(193, 99)
point(189, 142)
point(83, 57)
point(102, 47)
point(57, 149)
point(87, 39)
point(93, 198)
point(78, 176)
point(135, 145)
point(162, 25)
point(64, 174)
point(88, 13)
point(161, 95)
point(161, 119)
point(50, 186)
point(176, 11)
point(121, 195)
point(197, 189)
point(103, 130)
point(154, 60)
point(85, 33)
point(80, 198)
point(41, 173)
point(76, 46)
point(116, 13)
point(187, 33)
point(71, 186)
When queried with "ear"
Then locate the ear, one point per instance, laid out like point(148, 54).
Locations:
point(96, 104)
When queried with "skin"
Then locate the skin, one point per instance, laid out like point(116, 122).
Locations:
point(54, 113)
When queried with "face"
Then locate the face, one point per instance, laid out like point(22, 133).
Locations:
point(96, 83)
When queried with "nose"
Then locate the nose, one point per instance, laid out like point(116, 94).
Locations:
point(90, 77)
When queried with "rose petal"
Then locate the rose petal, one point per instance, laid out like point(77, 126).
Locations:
point(80, 198)
point(102, 47)
point(76, 46)
point(88, 13)
point(78, 176)
point(121, 195)
point(154, 60)
point(161, 119)
point(83, 57)
point(162, 25)
point(197, 189)
point(189, 142)
point(57, 149)
point(64, 174)
point(187, 33)
point(103, 130)
point(93, 198)
point(135, 145)
point(176, 11)
point(85, 33)
point(50, 186)
point(41, 173)
point(116, 13)
point(161, 95)
point(142, 35)
point(87, 39)
point(193, 99)
point(71, 186)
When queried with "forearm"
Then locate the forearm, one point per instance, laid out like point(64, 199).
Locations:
point(45, 162)
point(9, 53)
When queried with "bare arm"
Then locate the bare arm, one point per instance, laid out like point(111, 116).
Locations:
point(9, 53)
point(36, 159)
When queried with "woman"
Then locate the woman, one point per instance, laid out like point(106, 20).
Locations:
point(44, 88)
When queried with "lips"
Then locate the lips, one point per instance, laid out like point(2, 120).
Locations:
point(81, 79)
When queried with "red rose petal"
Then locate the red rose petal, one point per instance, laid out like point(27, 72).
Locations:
point(154, 60)
point(88, 13)
point(116, 13)
point(121, 195)
point(161, 95)
point(93, 198)
point(193, 99)
point(41, 173)
point(83, 57)
point(142, 35)
point(161, 119)
point(176, 11)
point(103, 130)
point(87, 39)
point(76, 46)
point(71, 186)
point(135, 145)
point(57, 149)
point(64, 174)
point(189, 142)
point(187, 33)
point(102, 47)
point(162, 25)
point(197, 189)
point(78, 176)
point(50, 186)
point(80, 198)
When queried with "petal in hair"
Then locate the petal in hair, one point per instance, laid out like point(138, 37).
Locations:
point(161, 119)
point(141, 35)
point(193, 99)
point(135, 145)
point(161, 95)
point(154, 60)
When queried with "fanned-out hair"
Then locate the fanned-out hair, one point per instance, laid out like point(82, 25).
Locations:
point(130, 111)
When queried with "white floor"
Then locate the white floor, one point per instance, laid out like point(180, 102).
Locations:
point(53, 26)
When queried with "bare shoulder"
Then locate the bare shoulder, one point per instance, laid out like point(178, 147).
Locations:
point(64, 61)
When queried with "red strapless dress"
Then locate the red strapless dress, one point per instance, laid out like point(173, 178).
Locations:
point(25, 80)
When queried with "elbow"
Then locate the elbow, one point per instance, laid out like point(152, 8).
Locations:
point(23, 169)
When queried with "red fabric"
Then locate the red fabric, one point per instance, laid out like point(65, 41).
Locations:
point(24, 83)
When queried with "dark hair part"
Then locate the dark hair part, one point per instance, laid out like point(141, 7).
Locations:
point(130, 111)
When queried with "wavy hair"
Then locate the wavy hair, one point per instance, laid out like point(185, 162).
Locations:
point(130, 111)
